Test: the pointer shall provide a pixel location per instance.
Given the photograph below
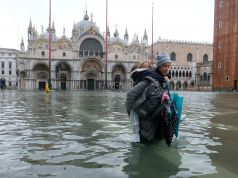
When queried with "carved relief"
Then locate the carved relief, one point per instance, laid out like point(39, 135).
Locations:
point(92, 66)
point(64, 45)
point(91, 30)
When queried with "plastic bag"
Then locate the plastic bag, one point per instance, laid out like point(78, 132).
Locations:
point(135, 126)
point(178, 102)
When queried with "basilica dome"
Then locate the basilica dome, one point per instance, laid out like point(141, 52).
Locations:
point(83, 25)
point(116, 38)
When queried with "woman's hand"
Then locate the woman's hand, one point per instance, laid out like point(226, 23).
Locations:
point(166, 78)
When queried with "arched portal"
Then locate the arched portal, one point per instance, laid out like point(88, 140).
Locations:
point(41, 75)
point(63, 76)
point(119, 77)
point(91, 78)
point(92, 72)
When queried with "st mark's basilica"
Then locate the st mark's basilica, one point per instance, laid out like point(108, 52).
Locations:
point(78, 62)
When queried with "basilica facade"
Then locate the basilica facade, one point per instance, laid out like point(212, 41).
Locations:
point(79, 62)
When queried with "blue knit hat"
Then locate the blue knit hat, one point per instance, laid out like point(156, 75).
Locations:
point(162, 58)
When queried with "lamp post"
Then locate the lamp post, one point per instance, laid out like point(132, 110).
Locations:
point(106, 50)
point(152, 43)
point(49, 46)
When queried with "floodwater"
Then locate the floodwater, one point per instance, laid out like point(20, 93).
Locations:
point(87, 135)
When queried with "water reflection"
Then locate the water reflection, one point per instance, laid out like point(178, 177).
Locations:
point(87, 134)
point(194, 136)
point(225, 129)
point(156, 160)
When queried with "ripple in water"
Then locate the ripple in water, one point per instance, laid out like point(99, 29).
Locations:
point(87, 134)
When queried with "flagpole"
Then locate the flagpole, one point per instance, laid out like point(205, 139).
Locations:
point(49, 45)
point(106, 50)
point(152, 42)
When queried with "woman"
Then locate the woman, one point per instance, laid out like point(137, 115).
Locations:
point(142, 66)
point(148, 129)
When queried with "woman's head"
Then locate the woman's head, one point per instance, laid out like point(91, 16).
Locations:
point(144, 64)
point(163, 63)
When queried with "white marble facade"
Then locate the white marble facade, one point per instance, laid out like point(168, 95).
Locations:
point(79, 62)
point(8, 68)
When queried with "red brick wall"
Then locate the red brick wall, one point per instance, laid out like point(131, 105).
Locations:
point(227, 37)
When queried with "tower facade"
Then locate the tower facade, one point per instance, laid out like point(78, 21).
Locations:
point(225, 52)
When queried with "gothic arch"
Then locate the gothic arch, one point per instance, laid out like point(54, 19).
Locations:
point(118, 76)
point(91, 46)
point(173, 56)
point(205, 58)
point(92, 65)
point(40, 71)
point(81, 40)
point(189, 57)
point(63, 75)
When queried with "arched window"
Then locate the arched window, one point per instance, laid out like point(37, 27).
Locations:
point(205, 58)
point(186, 73)
point(183, 74)
point(172, 73)
point(173, 56)
point(205, 76)
point(42, 53)
point(90, 46)
point(189, 57)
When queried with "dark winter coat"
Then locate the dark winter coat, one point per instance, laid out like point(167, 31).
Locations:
point(140, 85)
point(159, 127)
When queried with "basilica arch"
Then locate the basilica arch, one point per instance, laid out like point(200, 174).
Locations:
point(63, 75)
point(92, 74)
point(118, 77)
point(40, 74)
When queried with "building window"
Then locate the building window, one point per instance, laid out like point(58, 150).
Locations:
point(9, 83)
point(43, 53)
point(189, 57)
point(64, 54)
point(3, 72)
point(10, 72)
point(219, 65)
point(173, 56)
point(116, 56)
point(205, 58)
point(219, 45)
point(220, 24)
point(221, 3)
point(226, 78)
point(2, 64)
point(10, 65)
point(9, 54)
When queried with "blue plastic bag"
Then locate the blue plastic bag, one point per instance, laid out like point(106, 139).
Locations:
point(178, 102)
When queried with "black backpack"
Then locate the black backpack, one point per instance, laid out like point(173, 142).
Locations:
point(148, 106)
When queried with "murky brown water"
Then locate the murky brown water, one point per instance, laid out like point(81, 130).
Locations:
point(87, 134)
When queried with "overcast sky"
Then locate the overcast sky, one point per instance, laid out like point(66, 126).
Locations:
point(190, 20)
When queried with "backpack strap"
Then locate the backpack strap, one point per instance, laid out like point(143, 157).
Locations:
point(152, 80)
